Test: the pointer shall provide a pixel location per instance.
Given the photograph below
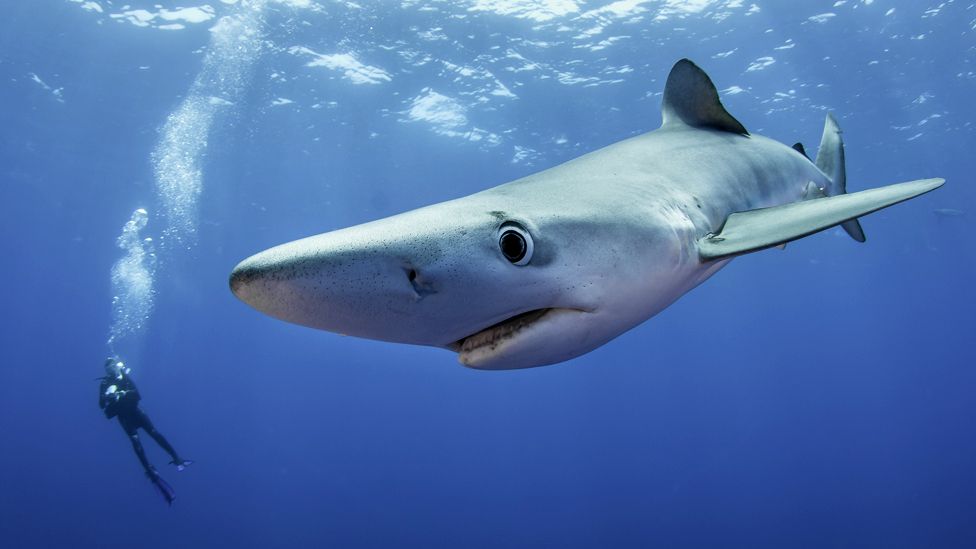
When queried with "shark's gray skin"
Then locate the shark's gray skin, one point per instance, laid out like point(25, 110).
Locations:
point(554, 265)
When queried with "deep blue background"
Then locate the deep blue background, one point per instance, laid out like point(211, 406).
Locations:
point(818, 397)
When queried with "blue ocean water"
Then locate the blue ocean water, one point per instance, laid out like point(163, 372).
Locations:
point(816, 397)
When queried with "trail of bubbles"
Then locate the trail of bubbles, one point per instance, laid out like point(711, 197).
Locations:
point(235, 43)
point(132, 281)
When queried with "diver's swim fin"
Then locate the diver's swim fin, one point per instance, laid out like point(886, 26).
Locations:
point(181, 464)
point(162, 487)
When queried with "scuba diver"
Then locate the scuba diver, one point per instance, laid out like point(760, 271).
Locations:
point(118, 397)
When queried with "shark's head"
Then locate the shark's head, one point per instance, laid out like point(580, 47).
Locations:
point(506, 282)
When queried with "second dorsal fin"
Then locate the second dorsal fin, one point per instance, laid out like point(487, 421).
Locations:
point(691, 99)
point(798, 147)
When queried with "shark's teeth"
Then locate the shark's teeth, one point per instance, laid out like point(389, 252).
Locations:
point(492, 336)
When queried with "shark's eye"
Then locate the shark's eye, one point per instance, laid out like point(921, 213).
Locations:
point(516, 244)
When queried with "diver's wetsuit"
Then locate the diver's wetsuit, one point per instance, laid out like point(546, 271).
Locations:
point(124, 404)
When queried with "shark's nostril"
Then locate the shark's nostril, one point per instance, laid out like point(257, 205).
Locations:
point(422, 288)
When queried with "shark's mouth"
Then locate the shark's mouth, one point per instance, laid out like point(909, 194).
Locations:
point(491, 337)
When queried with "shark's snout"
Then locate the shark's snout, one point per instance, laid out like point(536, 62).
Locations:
point(317, 284)
point(261, 283)
point(244, 276)
point(261, 278)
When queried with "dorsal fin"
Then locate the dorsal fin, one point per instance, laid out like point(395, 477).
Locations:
point(798, 147)
point(691, 99)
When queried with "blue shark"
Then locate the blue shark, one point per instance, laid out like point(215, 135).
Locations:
point(553, 265)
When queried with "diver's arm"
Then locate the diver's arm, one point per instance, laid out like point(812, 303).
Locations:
point(127, 390)
point(103, 395)
point(108, 397)
point(131, 391)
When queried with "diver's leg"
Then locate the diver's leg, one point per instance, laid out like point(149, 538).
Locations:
point(164, 444)
point(130, 425)
point(141, 454)
point(148, 426)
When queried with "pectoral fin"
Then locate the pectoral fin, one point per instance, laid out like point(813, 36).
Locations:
point(756, 230)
